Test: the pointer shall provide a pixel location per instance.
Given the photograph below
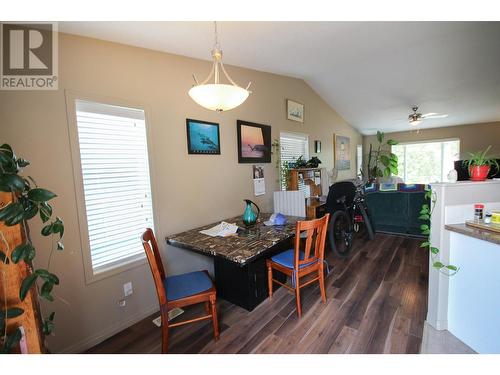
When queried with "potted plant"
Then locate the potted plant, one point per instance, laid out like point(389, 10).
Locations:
point(479, 164)
point(381, 161)
point(27, 200)
point(314, 162)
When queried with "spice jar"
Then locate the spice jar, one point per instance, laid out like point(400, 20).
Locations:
point(487, 218)
point(478, 211)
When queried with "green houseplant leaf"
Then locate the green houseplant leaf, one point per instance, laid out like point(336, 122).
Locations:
point(13, 312)
point(384, 159)
point(40, 195)
point(12, 182)
point(45, 211)
point(48, 324)
point(12, 340)
point(24, 252)
point(26, 285)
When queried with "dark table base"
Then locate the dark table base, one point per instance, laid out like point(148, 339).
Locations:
point(246, 286)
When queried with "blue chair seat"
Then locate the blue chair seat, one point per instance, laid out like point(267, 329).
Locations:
point(187, 284)
point(286, 258)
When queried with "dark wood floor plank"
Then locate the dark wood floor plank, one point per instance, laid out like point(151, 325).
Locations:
point(344, 341)
point(376, 303)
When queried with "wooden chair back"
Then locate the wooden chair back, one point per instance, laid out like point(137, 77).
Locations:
point(154, 259)
point(316, 234)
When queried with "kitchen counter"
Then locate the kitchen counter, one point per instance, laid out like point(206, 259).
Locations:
point(481, 234)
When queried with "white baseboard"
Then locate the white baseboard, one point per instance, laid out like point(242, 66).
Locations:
point(93, 340)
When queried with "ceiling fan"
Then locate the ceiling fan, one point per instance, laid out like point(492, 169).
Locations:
point(416, 118)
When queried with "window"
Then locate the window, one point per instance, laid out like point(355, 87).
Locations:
point(426, 162)
point(359, 159)
point(293, 146)
point(113, 155)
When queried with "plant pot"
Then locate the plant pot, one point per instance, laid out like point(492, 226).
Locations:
point(479, 172)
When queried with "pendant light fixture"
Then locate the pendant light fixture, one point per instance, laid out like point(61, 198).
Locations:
point(218, 96)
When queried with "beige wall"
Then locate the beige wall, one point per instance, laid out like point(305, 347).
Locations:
point(189, 190)
point(473, 137)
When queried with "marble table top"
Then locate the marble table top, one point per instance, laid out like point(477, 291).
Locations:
point(241, 248)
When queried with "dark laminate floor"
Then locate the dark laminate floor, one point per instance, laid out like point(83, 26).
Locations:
point(377, 301)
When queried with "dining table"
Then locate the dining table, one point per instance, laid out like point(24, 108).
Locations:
point(240, 260)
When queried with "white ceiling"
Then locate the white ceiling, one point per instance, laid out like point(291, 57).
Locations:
point(371, 73)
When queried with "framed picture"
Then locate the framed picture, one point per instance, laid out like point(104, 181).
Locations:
point(254, 142)
point(294, 111)
point(317, 147)
point(203, 137)
point(342, 152)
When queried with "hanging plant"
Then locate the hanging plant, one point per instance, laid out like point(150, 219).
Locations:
point(426, 214)
point(282, 167)
point(30, 200)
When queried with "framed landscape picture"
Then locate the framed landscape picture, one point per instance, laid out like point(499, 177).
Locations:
point(254, 142)
point(294, 111)
point(203, 137)
point(342, 152)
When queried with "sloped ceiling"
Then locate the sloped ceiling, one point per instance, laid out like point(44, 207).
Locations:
point(371, 73)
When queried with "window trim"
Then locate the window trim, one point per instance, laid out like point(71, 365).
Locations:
point(428, 141)
point(71, 98)
point(441, 141)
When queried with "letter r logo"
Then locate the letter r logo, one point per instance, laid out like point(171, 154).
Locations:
point(27, 49)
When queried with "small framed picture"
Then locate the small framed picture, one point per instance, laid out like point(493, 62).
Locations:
point(254, 142)
point(294, 111)
point(342, 152)
point(203, 137)
point(317, 147)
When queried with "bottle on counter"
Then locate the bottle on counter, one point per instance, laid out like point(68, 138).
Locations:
point(487, 218)
point(478, 211)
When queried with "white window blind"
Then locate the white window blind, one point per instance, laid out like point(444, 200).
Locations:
point(294, 146)
point(116, 182)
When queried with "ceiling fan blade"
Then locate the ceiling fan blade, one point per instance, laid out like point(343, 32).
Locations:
point(434, 115)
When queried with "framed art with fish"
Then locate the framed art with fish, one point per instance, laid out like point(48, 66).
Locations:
point(203, 137)
point(254, 142)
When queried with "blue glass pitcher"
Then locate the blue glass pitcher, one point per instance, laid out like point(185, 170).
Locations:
point(249, 215)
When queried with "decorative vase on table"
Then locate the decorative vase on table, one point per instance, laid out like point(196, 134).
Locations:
point(249, 216)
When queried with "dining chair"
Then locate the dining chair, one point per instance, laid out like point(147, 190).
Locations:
point(297, 263)
point(179, 290)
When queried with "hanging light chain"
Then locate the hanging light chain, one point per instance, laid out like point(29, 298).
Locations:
point(216, 44)
point(217, 60)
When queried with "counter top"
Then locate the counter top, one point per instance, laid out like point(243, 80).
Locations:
point(481, 234)
point(458, 184)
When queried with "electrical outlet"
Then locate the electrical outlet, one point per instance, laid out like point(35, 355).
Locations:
point(122, 302)
point(127, 289)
